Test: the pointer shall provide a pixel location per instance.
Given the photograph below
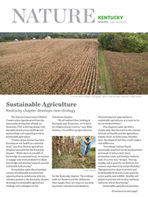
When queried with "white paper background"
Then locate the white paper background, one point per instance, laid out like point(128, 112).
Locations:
point(134, 12)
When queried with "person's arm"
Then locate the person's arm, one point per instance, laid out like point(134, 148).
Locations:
point(91, 139)
point(83, 138)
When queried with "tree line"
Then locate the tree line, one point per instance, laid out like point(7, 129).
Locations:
point(120, 42)
point(5, 37)
point(124, 42)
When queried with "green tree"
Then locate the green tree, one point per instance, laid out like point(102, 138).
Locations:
point(117, 43)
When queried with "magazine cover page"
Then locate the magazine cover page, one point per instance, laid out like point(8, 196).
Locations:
point(73, 98)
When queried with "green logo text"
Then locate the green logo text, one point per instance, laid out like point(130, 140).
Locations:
point(110, 17)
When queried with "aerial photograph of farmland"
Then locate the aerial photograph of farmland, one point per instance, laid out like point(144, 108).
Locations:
point(73, 63)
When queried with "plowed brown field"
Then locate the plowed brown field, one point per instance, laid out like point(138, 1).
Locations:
point(55, 66)
point(130, 71)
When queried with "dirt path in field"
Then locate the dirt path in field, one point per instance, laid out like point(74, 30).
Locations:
point(71, 161)
point(105, 78)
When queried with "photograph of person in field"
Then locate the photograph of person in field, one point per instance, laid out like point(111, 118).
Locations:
point(73, 152)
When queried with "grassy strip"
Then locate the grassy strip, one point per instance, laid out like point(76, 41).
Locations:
point(105, 78)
